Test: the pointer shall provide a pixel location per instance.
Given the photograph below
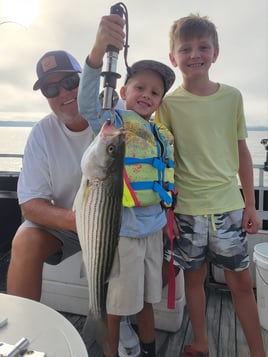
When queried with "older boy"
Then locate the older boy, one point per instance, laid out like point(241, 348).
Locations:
point(208, 124)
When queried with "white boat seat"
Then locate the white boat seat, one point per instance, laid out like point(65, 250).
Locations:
point(65, 289)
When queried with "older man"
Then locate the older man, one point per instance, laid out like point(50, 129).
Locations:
point(49, 178)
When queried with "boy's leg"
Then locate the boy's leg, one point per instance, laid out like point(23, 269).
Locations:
point(196, 305)
point(189, 252)
point(125, 292)
point(229, 251)
point(245, 306)
point(113, 323)
point(165, 271)
point(145, 321)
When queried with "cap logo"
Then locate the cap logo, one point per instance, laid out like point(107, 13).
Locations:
point(48, 63)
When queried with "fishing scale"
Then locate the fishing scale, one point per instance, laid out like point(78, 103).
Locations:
point(108, 97)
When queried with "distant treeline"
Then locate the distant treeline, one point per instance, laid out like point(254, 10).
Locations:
point(257, 128)
point(17, 123)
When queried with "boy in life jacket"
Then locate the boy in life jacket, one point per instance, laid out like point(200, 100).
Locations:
point(148, 183)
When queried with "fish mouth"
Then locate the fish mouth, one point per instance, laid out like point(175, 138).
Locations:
point(109, 130)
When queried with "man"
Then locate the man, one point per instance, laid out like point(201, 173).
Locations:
point(49, 179)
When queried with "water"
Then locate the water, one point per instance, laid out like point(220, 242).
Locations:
point(13, 140)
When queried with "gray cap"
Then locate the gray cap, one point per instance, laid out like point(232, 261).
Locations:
point(164, 71)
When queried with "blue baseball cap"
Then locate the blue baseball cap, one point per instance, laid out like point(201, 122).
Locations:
point(55, 62)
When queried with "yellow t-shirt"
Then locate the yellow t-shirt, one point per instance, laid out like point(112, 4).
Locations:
point(206, 132)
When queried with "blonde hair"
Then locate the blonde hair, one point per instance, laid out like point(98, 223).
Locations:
point(191, 26)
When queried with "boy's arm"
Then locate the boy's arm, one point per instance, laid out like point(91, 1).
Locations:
point(88, 96)
point(110, 32)
point(250, 221)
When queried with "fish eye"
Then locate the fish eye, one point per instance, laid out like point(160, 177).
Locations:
point(111, 149)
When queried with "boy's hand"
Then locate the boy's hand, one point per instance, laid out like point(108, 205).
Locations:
point(250, 222)
point(110, 32)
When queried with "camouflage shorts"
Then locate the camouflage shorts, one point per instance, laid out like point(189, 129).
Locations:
point(217, 238)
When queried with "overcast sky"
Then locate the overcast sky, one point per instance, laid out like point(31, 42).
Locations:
point(71, 25)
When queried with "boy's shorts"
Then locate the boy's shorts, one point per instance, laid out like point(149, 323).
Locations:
point(69, 239)
point(140, 277)
point(217, 238)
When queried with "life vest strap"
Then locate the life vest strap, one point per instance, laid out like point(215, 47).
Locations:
point(155, 186)
point(159, 164)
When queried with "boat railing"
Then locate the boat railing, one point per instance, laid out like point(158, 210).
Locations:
point(261, 193)
point(260, 186)
point(10, 169)
point(9, 177)
point(11, 155)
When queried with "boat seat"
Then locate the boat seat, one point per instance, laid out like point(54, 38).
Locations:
point(65, 289)
point(8, 195)
point(65, 286)
point(10, 213)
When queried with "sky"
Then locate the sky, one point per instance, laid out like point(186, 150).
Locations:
point(71, 25)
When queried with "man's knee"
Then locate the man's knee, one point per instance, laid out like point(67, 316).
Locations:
point(35, 243)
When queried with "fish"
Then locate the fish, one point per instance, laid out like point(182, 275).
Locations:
point(98, 211)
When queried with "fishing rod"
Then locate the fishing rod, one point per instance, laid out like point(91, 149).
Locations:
point(109, 97)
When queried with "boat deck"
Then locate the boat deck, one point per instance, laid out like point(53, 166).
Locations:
point(226, 338)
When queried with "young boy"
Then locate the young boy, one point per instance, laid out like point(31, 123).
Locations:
point(139, 284)
point(208, 124)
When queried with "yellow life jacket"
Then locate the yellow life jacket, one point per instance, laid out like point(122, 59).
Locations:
point(149, 162)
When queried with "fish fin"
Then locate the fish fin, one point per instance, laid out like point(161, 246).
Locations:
point(86, 193)
point(83, 270)
point(80, 193)
point(115, 271)
point(95, 336)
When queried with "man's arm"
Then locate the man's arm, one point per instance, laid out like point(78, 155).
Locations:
point(43, 212)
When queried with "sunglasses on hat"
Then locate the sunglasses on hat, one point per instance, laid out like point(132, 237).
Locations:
point(52, 90)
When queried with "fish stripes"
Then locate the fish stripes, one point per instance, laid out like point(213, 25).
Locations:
point(98, 206)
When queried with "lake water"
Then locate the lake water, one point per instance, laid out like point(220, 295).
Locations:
point(13, 139)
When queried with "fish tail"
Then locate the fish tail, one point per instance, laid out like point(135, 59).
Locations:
point(95, 336)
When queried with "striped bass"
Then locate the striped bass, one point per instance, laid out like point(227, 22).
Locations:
point(98, 207)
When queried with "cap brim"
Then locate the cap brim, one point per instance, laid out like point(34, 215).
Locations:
point(38, 84)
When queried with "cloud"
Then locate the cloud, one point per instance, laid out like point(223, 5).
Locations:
point(69, 25)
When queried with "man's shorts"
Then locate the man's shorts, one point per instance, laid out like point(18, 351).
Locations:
point(70, 241)
point(140, 275)
point(217, 238)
